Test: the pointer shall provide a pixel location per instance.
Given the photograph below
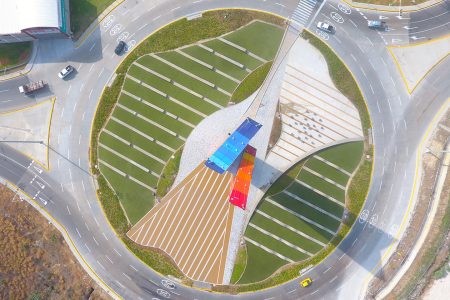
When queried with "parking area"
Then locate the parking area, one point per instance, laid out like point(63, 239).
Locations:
point(164, 96)
point(301, 219)
point(192, 224)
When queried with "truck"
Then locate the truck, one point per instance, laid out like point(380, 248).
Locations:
point(31, 87)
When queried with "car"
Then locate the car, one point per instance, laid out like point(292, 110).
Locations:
point(376, 24)
point(306, 282)
point(66, 71)
point(325, 27)
point(119, 48)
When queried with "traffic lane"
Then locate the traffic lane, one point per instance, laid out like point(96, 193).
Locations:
point(430, 23)
point(11, 98)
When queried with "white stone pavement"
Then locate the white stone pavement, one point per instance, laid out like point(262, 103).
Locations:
point(27, 130)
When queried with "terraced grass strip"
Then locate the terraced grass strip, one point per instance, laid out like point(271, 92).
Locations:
point(322, 185)
point(233, 53)
point(287, 234)
point(340, 155)
point(327, 170)
point(260, 264)
point(139, 140)
point(184, 80)
point(172, 123)
point(215, 61)
point(137, 156)
point(135, 199)
point(146, 127)
point(191, 99)
point(255, 34)
point(312, 215)
point(275, 245)
point(164, 104)
point(315, 199)
point(294, 221)
point(199, 70)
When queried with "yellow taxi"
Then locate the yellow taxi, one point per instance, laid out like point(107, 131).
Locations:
point(306, 282)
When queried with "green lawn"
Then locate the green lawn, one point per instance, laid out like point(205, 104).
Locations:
point(326, 170)
point(255, 34)
point(340, 155)
point(199, 70)
point(290, 207)
point(135, 199)
point(14, 54)
point(233, 53)
point(251, 83)
point(84, 12)
point(258, 257)
point(216, 61)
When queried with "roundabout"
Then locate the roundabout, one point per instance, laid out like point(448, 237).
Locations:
point(400, 122)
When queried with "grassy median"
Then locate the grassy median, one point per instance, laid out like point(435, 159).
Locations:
point(251, 83)
point(14, 54)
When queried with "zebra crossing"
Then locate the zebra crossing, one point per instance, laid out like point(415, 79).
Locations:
point(303, 11)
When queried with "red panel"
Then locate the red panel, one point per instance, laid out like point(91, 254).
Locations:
point(241, 184)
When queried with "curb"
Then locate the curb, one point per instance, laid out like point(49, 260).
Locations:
point(387, 8)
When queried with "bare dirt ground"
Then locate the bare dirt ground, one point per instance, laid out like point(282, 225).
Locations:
point(412, 284)
point(35, 261)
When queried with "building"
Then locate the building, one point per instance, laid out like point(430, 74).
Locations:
point(27, 20)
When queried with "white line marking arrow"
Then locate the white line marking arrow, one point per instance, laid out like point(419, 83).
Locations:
point(383, 17)
point(409, 28)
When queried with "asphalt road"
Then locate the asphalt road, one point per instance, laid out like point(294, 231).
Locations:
point(399, 123)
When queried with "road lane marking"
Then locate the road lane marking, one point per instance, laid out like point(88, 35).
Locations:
point(105, 236)
point(82, 86)
point(92, 47)
point(68, 210)
point(95, 241)
point(378, 105)
point(85, 224)
point(142, 27)
point(342, 256)
point(333, 279)
point(110, 260)
point(90, 69)
point(101, 265)
point(354, 242)
point(115, 250)
point(68, 90)
point(327, 270)
point(96, 221)
point(133, 268)
point(87, 248)
point(126, 275)
point(78, 232)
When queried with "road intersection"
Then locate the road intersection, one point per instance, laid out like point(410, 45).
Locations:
point(399, 120)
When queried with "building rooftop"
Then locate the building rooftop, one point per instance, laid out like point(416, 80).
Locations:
point(23, 14)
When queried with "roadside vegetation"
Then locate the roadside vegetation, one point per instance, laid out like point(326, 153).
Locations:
point(176, 35)
point(251, 83)
point(84, 12)
point(35, 261)
point(14, 54)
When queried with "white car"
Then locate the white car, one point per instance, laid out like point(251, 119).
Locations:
point(325, 27)
point(66, 71)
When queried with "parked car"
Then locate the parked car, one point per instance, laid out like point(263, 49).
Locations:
point(376, 24)
point(66, 71)
point(325, 27)
point(306, 282)
point(119, 48)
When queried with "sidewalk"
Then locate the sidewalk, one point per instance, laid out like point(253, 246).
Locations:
point(387, 8)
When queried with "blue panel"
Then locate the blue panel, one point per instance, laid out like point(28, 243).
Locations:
point(233, 146)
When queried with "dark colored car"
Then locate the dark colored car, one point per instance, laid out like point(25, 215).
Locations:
point(120, 47)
